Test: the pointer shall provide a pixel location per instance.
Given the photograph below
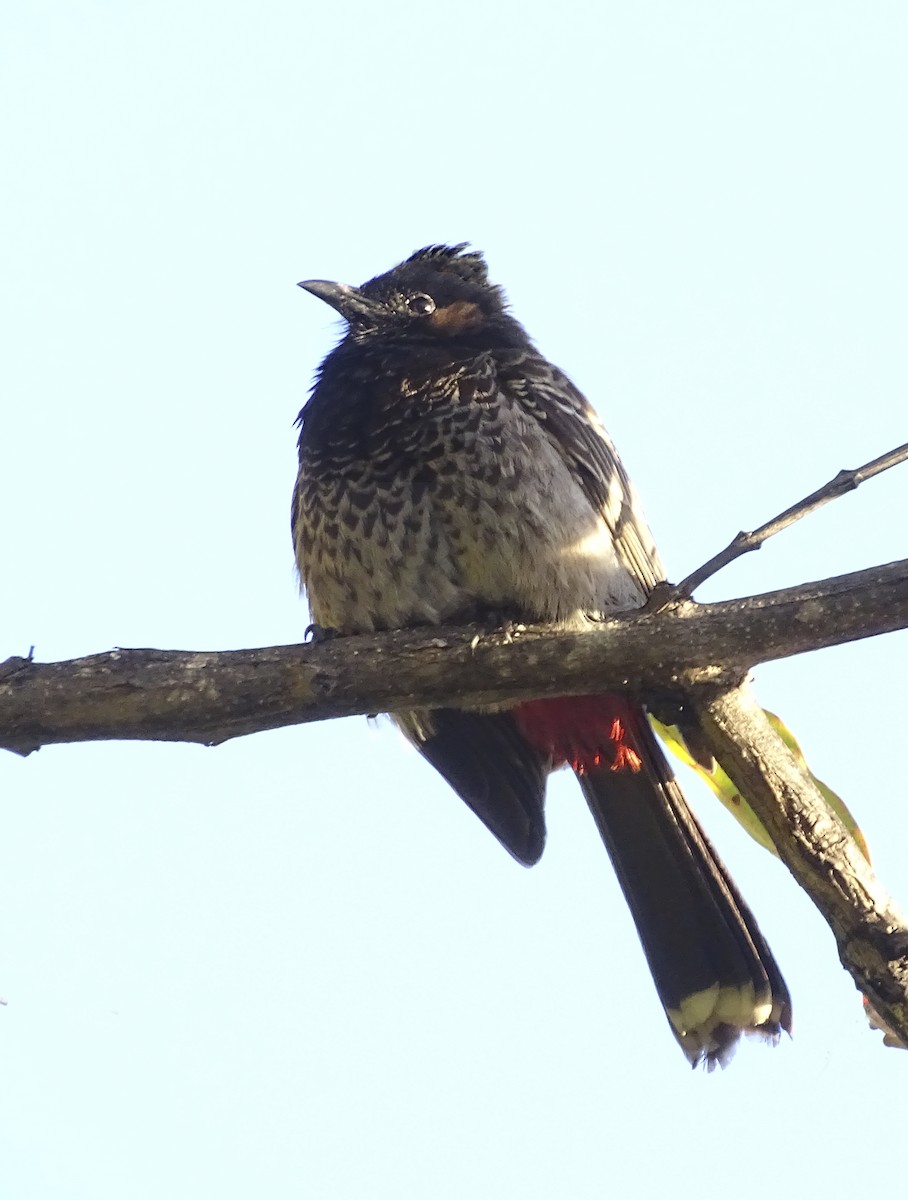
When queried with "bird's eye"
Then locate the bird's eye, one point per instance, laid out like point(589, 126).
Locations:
point(420, 305)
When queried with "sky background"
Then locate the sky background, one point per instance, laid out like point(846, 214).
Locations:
point(296, 965)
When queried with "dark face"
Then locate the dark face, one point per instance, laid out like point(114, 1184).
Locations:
point(439, 295)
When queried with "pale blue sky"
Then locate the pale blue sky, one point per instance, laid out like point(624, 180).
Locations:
point(295, 965)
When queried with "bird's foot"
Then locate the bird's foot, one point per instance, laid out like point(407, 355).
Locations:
point(496, 621)
point(320, 633)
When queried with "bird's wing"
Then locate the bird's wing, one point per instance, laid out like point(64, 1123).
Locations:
point(575, 430)
point(492, 768)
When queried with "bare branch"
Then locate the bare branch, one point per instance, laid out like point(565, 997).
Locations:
point(845, 481)
point(209, 697)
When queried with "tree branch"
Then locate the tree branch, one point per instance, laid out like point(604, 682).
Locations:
point(698, 651)
point(175, 695)
point(870, 932)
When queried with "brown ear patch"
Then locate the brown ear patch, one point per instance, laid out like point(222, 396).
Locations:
point(459, 317)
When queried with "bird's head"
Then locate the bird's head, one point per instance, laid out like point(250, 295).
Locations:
point(440, 294)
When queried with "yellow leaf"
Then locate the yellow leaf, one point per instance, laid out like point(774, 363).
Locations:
point(737, 805)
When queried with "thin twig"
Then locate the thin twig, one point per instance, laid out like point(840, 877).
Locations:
point(845, 481)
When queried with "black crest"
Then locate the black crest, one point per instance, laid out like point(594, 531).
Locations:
point(468, 264)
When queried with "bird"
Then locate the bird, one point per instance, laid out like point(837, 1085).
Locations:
point(450, 474)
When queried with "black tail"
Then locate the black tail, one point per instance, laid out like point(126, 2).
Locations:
point(713, 970)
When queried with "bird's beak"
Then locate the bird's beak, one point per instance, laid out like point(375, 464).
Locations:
point(349, 301)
